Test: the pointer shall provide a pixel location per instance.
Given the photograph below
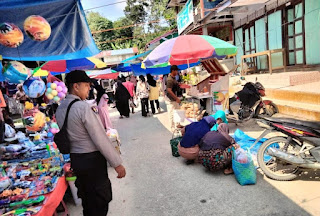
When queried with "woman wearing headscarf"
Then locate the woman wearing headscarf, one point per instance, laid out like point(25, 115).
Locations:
point(192, 134)
point(216, 149)
point(122, 97)
point(154, 93)
point(104, 112)
point(143, 94)
point(220, 117)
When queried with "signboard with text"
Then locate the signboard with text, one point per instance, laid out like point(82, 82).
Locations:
point(185, 17)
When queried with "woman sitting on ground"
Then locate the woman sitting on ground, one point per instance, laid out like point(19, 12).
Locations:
point(192, 134)
point(216, 149)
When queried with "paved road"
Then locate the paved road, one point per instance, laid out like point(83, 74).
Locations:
point(158, 184)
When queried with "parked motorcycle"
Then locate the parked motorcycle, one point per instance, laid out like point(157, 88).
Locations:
point(283, 157)
point(248, 103)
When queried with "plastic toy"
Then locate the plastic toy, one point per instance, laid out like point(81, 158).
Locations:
point(34, 120)
point(28, 202)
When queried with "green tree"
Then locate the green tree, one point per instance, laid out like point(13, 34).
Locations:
point(159, 11)
point(123, 32)
point(96, 23)
point(136, 10)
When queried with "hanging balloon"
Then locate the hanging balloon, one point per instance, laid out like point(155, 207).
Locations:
point(34, 87)
point(56, 91)
point(37, 28)
point(16, 72)
point(10, 35)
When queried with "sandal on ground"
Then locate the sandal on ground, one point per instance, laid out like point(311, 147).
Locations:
point(228, 171)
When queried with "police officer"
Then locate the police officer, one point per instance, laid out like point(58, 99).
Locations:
point(90, 147)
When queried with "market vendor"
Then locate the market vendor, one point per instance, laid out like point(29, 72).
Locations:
point(192, 134)
point(172, 99)
point(90, 147)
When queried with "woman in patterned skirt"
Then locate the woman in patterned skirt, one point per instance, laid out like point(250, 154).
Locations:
point(216, 149)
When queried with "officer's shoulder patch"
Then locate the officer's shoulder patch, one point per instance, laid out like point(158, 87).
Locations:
point(94, 109)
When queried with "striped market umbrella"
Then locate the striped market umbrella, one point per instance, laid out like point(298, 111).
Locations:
point(65, 66)
point(187, 49)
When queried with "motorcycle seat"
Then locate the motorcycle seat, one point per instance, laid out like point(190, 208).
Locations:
point(314, 140)
point(310, 124)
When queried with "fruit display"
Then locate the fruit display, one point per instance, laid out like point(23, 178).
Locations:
point(191, 110)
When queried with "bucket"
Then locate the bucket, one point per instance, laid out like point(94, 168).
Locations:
point(74, 190)
point(179, 116)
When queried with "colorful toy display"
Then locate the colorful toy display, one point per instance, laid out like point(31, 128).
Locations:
point(34, 87)
point(27, 179)
point(34, 120)
point(16, 72)
point(10, 35)
point(37, 28)
point(56, 91)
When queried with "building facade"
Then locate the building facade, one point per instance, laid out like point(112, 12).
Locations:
point(260, 25)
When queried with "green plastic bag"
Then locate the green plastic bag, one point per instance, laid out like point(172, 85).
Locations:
point(245, 173)
point(174, 146)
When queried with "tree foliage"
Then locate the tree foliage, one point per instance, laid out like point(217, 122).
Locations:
point(136, 12)
point(96, 23)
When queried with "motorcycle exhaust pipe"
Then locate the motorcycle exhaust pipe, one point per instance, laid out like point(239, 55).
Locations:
point(292, 159)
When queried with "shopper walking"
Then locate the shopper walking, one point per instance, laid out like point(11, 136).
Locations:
point(131, 89)
point(122, 97)
point(154, 93)
point(143, 94)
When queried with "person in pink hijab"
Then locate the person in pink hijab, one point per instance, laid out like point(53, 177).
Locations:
point(104, 113)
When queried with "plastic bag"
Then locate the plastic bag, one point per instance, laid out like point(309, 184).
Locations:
point(9, 131)
point(243, 167)
point(241, 155)
point(136, 102)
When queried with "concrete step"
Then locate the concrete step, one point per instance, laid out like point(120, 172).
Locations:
point(299, 110)
point(294, 96)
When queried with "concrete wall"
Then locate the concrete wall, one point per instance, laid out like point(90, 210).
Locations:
point(117, 58)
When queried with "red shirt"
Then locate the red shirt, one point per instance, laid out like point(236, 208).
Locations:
point(130, 87)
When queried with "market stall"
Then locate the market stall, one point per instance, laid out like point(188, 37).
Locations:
point(204, 49)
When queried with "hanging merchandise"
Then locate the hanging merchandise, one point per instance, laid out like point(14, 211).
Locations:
point(50, 34)
point(10, 35)
point(56, 91)
point(34, 87)
point(16, 72)
point(37, 28)
point(33, 119)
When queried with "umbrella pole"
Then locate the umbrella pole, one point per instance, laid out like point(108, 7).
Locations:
point(192, 97)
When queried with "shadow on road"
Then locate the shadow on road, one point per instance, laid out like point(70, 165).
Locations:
point(159, 184)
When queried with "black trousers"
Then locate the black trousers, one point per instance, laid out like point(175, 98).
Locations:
point(94, 186)
point(144, 106)
point(152, 105)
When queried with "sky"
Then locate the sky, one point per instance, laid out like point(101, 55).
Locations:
point(111, 12)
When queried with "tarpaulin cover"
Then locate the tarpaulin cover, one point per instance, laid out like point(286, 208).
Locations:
point(123, 67)
point(137, 70)
point(133, 59)
point(246, 141)
point(70, 35)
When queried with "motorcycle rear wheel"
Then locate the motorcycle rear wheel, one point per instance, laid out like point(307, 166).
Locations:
point(269, 110)
point(275, 168)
